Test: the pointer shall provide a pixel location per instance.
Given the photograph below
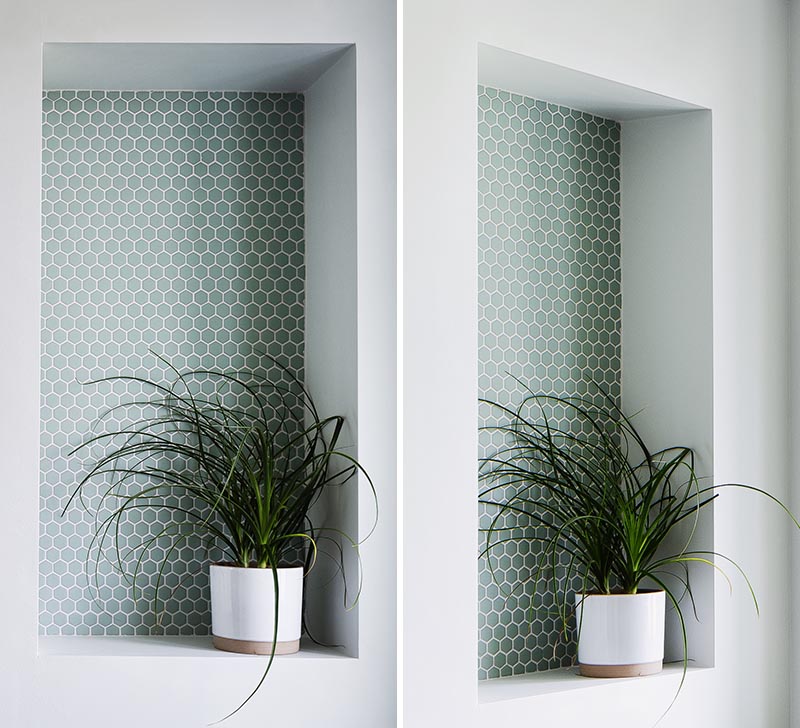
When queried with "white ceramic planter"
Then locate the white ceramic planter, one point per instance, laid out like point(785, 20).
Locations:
point(620, 635)
point(243, 609)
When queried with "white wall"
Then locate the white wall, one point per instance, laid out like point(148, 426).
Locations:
point(729, 57)
point(793, 335)
point(331, 327)
point(123, 691)
point(667, 336)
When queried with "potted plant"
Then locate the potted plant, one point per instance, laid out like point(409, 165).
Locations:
point(590, 490)
point(239, 459)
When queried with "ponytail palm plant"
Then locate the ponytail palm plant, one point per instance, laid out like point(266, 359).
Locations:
point(601, 508)
point(237, 459)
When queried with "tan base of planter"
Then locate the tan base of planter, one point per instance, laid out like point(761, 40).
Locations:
point(637, 670)
point(249, 647)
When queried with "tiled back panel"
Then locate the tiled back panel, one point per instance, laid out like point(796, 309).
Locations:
point(549, 314)
point(171, 221)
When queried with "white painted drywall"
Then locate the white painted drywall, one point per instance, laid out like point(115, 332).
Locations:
point(331, 343)
point(187, 66)
point(732, 59)
point(556, 84)
point(667, 355)
point(793, 336)
point(89, 690)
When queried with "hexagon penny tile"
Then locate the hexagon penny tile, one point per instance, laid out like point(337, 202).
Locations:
point(171, 222)
point(549, 313)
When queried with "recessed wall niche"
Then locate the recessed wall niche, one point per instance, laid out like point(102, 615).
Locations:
point(594, 253)
point(176, 222)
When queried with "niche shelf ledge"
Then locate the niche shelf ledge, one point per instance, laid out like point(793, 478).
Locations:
point(547, 682)
point(166, 646)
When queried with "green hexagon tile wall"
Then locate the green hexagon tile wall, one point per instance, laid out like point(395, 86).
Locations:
point(549, 304)
point(172, 221)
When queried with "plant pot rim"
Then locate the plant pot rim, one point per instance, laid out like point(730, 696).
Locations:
point(639, 593)
point(231, 565)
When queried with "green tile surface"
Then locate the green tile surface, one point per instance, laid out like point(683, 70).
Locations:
point(549, 313)
point(171, 221)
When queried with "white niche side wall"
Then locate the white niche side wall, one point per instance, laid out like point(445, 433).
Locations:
point(332, 329)
point(666, 321)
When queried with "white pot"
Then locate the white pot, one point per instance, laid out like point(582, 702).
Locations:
point(620, 635)
point(243, 609)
